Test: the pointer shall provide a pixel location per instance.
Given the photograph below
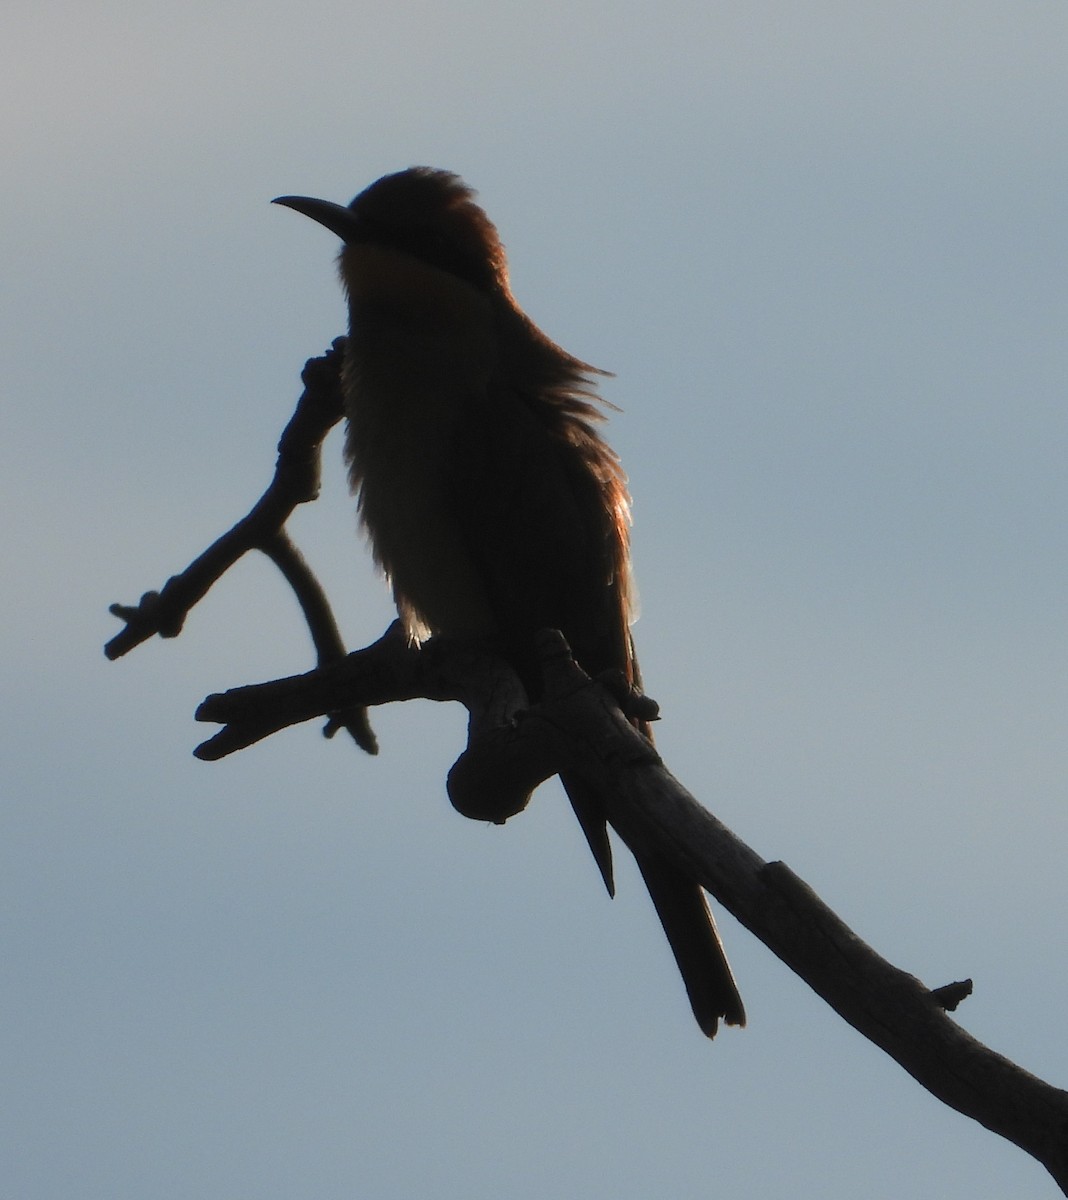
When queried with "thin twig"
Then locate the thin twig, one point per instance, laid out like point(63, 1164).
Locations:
point(296, 481)
point(329, 648)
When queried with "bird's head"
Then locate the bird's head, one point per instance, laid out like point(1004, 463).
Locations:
point(424, 212)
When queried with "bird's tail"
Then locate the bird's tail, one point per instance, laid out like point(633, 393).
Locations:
point(683, 911)
point(694, 939)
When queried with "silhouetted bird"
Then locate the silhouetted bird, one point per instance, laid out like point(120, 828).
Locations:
point(491, 502)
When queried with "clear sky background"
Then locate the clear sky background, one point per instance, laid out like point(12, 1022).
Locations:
point(823, 248)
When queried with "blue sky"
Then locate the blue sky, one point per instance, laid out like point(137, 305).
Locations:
point(823, 249)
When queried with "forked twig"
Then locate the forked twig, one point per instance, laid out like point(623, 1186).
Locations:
point(296, 481)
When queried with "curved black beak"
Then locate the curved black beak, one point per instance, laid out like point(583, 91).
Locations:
point(336, 217)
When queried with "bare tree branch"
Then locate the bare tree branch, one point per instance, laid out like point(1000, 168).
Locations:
point(583, 727)
point(296, 481)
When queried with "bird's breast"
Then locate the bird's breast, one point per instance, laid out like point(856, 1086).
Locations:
point(420, 354)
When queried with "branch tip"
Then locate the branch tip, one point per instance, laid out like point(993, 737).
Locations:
point(951, 994)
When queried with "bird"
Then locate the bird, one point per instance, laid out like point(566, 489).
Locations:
point(490, 500)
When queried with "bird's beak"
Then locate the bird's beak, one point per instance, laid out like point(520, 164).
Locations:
point(335, 217)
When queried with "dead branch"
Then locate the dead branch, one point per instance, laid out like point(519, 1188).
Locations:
point(296, 481)
point(582, 727)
